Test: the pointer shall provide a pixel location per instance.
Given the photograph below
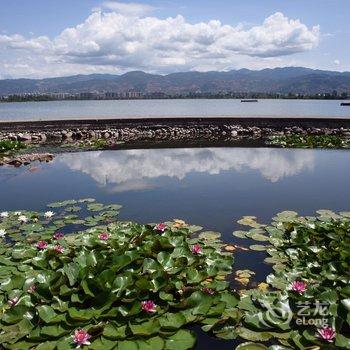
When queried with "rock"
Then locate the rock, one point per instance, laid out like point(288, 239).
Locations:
point(66, 134)
point(24, 137)
point(42, 137)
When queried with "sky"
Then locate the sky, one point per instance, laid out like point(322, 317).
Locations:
point(41, 38)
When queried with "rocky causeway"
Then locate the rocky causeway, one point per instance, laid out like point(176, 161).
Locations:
point(172, 132)
point(129, 130)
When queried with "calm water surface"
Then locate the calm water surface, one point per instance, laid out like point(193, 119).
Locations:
point(155, 108)
point(211, 187)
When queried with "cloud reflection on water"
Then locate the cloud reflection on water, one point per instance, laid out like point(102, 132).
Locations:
point(137, 169)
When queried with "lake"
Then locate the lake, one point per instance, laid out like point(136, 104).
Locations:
point(156, 108)
point(211, 187)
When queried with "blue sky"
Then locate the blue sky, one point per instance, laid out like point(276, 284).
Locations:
point(110, 36)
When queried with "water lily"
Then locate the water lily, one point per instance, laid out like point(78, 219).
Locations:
point(31, 289)
point(17, 212)
point(2, 233)
point(4, 214)
point(58, 249)
point(13, 301)
point(58, 235)
point(208, 291)
point(196, 249)
point(104, 236)
point(161, 227)
point(42, 245)
point(148, 306)
point(327, 333)
point(22, 218)
point(299, 287)
point(49, 214)
point(81, 337)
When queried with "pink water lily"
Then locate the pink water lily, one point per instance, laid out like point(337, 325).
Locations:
point(299, 287)
point(148, 306)
point(42, 245)
point(196, 249)
point(13, 301)
point(31, 289)
point(208, 291)
point(327, 333)
point(104, 236)
point(81, 337)
point(58, 235)
point(58, 249)
point(161, 227)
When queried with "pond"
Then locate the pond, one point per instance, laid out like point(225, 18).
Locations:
point(211, 187)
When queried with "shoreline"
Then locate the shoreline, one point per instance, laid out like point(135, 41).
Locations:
point(144, 129)
point(131, 118)
point(258, 121)
point(100, 134)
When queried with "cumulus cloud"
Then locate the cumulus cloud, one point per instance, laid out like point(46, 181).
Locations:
point(136, 169)
point(123, 39)
point(131, 9)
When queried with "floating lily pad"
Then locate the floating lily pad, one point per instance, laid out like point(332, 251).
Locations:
point(240, 234)
point(259, 237)
point(249, 221)
point(258, 247)
point(210, 235)
point(251, 346)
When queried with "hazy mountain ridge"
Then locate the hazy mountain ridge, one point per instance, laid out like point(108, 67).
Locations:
point(278, 80)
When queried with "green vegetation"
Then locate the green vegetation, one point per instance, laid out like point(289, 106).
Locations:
point(125, 285)
point(10, 146)
point(310, 141)
point(106, 284)
point(99, 144)
point(309, 307)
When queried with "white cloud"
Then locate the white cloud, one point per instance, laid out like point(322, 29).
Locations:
point(130, 9)
point(134, 169)
point(337, 62)
point(121, 39)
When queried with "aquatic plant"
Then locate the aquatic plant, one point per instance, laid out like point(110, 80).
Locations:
point(307, 304)
point(108, 284)
point(90, 281)
point(10, 146)
point(309, 141)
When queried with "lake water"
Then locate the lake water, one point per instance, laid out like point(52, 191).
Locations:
point(211, 187)
point(163, 108)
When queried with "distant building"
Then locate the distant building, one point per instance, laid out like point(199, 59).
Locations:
point(124, 95)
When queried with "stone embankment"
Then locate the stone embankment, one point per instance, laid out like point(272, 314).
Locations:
point(168, 129)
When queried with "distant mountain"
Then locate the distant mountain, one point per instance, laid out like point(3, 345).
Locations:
point(278, 80)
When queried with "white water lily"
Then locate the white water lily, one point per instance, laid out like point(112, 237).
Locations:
point(22, 218)
point(4, 214)
point(49, 214)
point(2, 233)
point(17, 213)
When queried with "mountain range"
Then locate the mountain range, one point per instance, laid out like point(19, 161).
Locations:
point(277, 80)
